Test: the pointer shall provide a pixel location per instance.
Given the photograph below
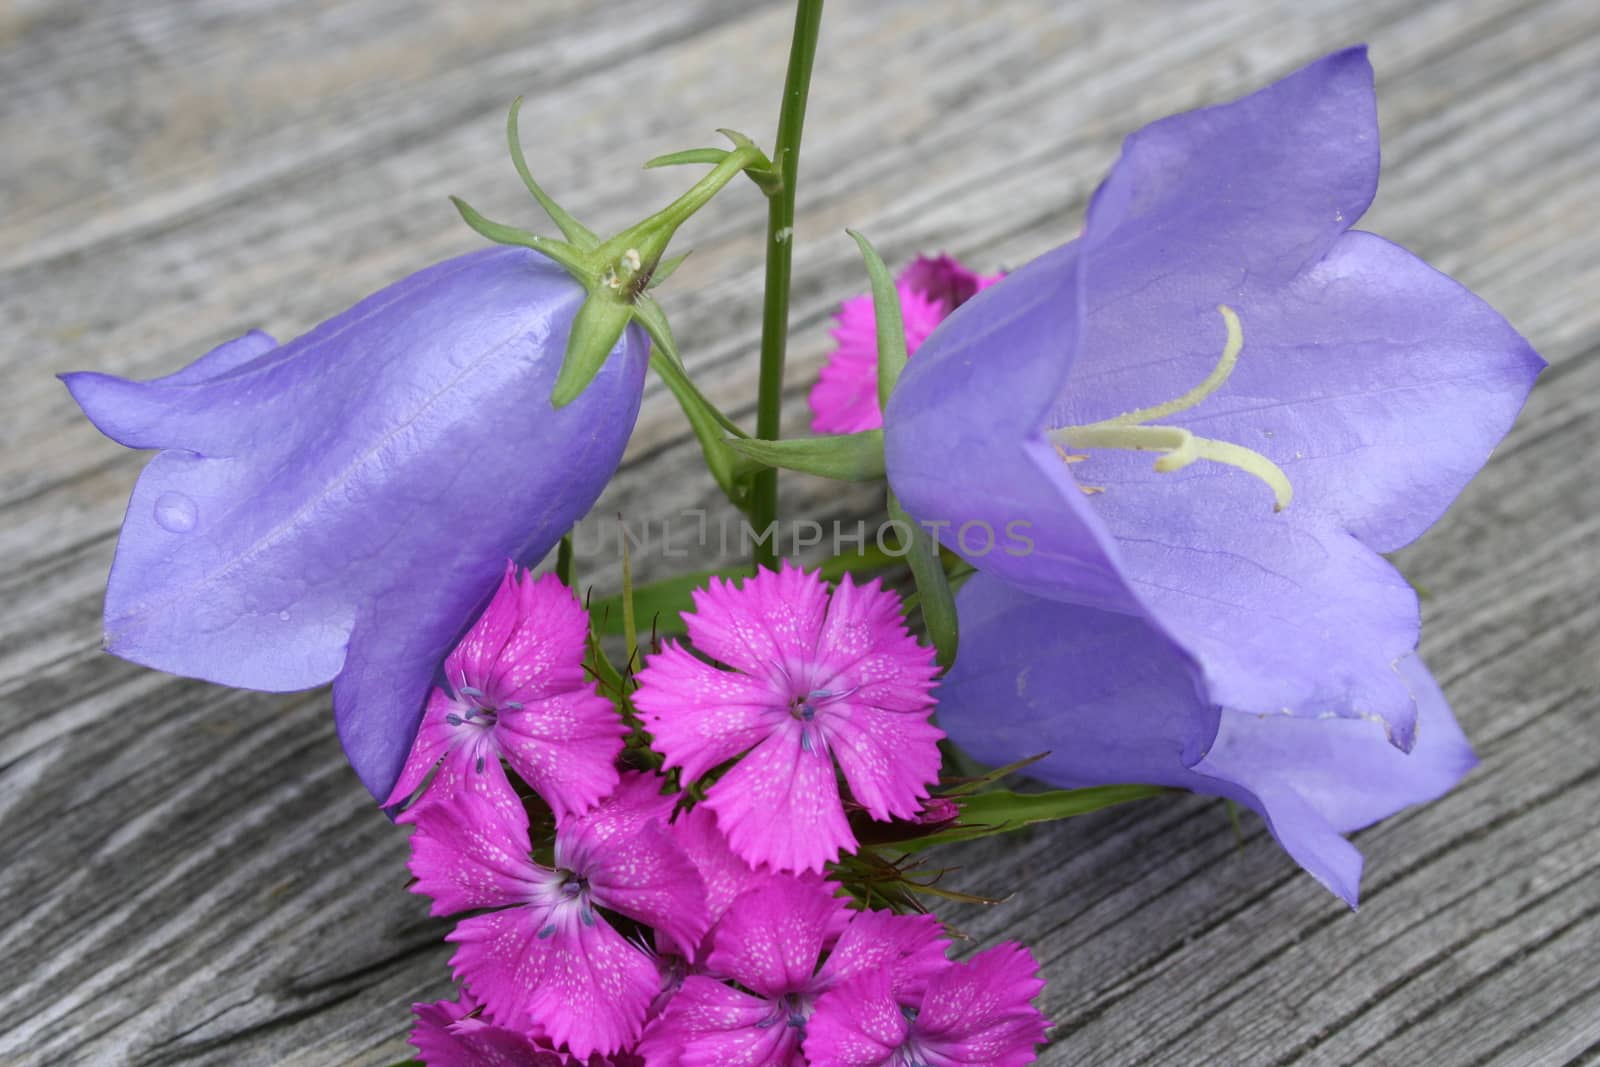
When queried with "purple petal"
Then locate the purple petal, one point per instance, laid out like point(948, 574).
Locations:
point(1377, 385)
point(1112, 702)
point(342, 505)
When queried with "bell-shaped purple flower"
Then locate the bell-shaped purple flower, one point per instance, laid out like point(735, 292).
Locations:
point(338, 508)
point(1316, 396)
point(1112, 702)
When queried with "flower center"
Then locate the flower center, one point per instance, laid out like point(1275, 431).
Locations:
point(791, 1009)
point(571, 892)
point(1180, 446)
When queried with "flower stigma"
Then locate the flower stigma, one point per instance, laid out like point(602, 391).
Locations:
point(1181, 447)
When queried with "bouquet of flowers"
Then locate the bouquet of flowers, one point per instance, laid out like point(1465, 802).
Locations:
point(1137, 493)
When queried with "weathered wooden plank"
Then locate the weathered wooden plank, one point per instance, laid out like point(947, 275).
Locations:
point(193, 875)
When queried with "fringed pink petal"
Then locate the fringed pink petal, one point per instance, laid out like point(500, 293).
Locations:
point(910, 949)
point(981, 1011)
point(583, 983)
point(780, 805)
point(765, 626)
point(773, 935)
point(700, 716)
point(859, 1023)
point(709, 1024)
point(543, 654)
point(473, 659)
point(565, 746)
point(866, 652)
point(471, 853)
point(722, 872)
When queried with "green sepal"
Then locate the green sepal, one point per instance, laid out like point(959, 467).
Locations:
point(849, 457)
point(565, 254)
point(890, 322)
point(1001, 811)
point(599, 665)
point(570, 228)
point(688, 155)
point(665, 269)
point(595, 331)
point(654, 321)
point(934, 596)
point(705, 420)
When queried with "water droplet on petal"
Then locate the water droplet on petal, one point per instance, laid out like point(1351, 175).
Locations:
point(176, 512)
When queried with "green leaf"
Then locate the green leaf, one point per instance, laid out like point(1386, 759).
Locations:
point(595, 332)
point(934, 596)
point(570, 228)
point(983, 781)
point(850, 457)
point(1001, 811)
point(891, 324)
point(566, 255)
point(688, 155)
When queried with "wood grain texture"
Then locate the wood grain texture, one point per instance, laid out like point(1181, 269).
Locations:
point(192, 875)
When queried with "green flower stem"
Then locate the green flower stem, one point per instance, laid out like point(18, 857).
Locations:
point(780, 245)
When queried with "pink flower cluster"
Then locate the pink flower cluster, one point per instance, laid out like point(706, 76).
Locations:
point(845, 398)
point(646, 929)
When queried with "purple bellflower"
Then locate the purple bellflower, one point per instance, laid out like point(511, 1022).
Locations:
point(338, 508)
point(1317, 396)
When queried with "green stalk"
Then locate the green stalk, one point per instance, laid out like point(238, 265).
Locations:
point(780, 246)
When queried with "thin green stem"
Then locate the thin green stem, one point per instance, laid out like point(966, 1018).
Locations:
point(780, 247)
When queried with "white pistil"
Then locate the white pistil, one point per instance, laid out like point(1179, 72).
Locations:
point(1181, 447)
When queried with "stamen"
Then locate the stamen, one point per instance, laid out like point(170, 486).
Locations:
point(1128, 431)
point(1213, 381)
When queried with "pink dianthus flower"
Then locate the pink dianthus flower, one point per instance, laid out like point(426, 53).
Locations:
point(845, 398)
point(785, 942)
point(816, 681)
point(980, 1011)
point(516, 688)
point(547, 959)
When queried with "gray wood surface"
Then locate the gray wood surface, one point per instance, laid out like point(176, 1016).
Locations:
point(192, 875)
